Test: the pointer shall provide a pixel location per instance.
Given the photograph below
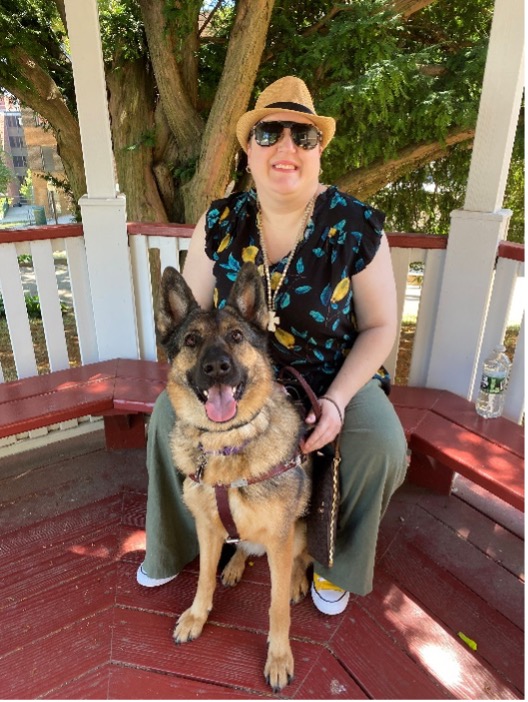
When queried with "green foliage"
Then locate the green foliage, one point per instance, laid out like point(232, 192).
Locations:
point(514, 198)
point(26, 189)
point(35, 27)
point(121, 29)
point(33, 308)
point(6, 175)
point(423, 200)
point(390, 82)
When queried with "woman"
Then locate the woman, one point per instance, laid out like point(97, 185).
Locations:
point(332, 314)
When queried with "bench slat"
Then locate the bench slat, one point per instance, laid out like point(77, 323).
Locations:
point(487, 464)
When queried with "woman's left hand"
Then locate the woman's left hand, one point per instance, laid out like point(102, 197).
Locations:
point(325, 430)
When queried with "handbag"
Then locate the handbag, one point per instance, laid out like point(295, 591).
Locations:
point(323, 510)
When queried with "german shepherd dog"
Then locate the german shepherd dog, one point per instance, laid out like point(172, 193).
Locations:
point(236, 439)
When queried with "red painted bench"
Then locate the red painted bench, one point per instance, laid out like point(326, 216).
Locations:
point(120, 390)
point(445, 434)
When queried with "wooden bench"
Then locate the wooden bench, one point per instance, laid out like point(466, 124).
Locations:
point(444, 433)
point(121, 390)
point(446, 436)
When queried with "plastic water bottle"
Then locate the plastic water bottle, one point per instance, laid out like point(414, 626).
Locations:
point(495, 373)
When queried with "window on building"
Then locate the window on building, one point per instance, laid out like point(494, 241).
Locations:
point(19, 162)
point(16, 142)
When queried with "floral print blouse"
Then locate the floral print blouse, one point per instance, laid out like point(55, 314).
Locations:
point(315, 302)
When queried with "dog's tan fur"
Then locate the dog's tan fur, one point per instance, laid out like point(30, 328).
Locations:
point(265, 429)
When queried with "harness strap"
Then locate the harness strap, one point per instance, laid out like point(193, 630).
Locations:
point(222, 493)
point(224, 511)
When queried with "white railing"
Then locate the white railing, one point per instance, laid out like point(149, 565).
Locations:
point(57, 283)
point(43, 243)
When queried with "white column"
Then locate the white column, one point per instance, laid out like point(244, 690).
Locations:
point(477, 229)
point(103, 211)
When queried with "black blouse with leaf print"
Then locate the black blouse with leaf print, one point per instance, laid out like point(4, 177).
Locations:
point(315, 302)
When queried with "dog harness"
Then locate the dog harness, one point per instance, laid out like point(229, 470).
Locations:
point(222, 490)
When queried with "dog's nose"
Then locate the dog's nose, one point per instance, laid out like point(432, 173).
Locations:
point(217, 366)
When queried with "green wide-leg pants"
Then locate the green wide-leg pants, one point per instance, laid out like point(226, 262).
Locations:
point(373, 466)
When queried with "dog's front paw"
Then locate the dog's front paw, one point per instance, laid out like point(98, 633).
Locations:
point(188, 627)
point(299, 585)
point(234, 570)
point(278, 670)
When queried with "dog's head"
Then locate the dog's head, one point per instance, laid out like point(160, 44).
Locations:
point(220, 372)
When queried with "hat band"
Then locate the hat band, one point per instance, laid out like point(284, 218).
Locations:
point(291, 106)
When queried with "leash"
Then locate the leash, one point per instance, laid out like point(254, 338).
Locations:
point(323, 516)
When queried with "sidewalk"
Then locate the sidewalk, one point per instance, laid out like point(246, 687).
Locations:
point(26, 217)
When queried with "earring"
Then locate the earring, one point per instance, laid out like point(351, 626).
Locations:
point(248, 169)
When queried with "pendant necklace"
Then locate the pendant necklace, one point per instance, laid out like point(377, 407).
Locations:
point(273, 318)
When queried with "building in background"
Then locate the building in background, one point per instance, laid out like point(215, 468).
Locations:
point(14, 146)
point(29, 145)
point(43, 160)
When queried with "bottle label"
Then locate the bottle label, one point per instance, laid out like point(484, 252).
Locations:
point(493, 384)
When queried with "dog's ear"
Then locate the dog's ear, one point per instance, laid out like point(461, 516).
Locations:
point(247, 296)
point(175, 303)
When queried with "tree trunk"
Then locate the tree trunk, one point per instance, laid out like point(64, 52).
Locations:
point(365, 182)
point(131, 106)
point(182, 117)
point(246, 44)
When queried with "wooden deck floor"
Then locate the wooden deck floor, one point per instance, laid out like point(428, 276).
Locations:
point(75, 625)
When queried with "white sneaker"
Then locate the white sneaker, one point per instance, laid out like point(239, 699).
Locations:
point(327, 597)
point(147, 581)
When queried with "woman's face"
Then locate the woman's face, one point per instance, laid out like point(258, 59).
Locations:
point(284, 168)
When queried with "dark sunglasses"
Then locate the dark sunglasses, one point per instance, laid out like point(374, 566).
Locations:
point(304, 135)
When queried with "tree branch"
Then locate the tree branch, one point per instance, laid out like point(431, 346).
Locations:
point(406, 8)
point(365, 182)
point(209, 17)
point(246, 44)
point(38, 91)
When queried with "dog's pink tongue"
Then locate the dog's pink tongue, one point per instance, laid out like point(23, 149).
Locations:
point(221, 405)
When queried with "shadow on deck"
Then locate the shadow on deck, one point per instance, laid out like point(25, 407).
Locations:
point(75, 625)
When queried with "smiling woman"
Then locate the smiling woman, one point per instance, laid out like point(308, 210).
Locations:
point(330, 306)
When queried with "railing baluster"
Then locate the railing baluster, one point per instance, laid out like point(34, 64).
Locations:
point(139, 250)
point(16, 313)
point(48, 294)
point(82, 299)
point(425, 322)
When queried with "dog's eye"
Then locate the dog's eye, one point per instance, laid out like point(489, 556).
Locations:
point(191, 339)
point(236, 336)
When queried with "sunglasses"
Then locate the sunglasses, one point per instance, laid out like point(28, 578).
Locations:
point(304, 135)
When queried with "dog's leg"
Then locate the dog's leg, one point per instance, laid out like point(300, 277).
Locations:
point(302, 559)
point(191, 622)
point(278, 670)
point(233, 571)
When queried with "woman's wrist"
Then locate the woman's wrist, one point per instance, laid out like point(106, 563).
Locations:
point(334, 403)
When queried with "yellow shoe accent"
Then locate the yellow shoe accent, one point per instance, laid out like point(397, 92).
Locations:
point(321, 584)
point(327, 597)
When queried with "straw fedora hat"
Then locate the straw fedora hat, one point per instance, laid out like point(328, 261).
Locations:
point(288, 94)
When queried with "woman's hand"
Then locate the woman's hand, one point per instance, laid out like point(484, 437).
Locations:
point(326, 429)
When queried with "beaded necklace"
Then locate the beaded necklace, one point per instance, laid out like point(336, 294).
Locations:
point(273, 318)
